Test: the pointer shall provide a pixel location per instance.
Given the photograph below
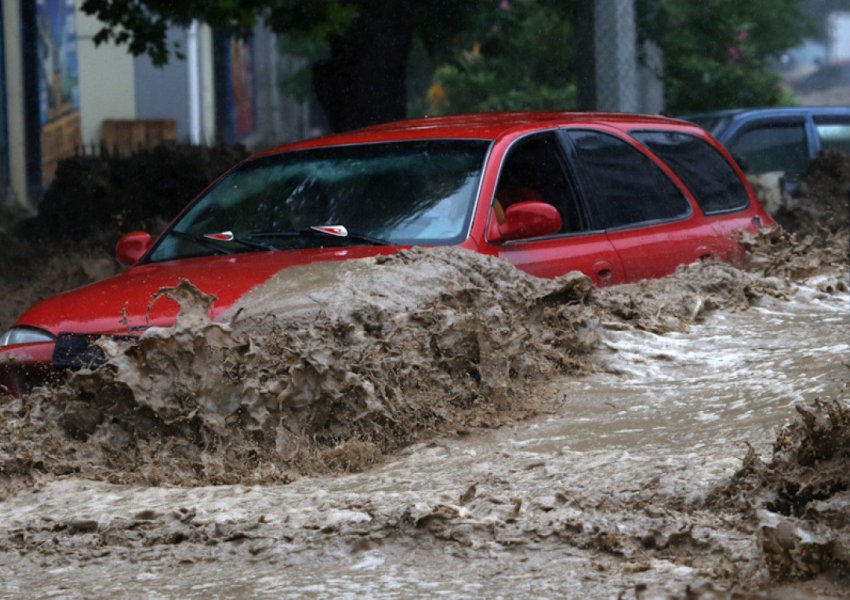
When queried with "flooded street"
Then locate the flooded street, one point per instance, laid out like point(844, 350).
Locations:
point(602, 493)
point(399, 300)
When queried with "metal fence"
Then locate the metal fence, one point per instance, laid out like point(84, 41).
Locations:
point(616, 74)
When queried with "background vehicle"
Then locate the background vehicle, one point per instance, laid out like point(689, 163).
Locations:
point(786, 139)
point(618, 197)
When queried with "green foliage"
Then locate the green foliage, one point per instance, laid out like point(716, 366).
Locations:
point(309, 50)
point(342, 41)
point(519, 55)
point(522, 55)
point(494, 54)
point(436, 23)
point(716, 52)
point(143, 24)
point(111, 193)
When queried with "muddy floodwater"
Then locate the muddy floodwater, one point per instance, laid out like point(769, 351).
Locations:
point(605, 491)
point(436, 423)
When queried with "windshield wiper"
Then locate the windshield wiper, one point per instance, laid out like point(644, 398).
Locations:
point(221, 244)
point(331, 232)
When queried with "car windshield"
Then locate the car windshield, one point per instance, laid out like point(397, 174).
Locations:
point(411, 192)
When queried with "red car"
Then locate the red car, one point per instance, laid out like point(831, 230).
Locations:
point(618, 197)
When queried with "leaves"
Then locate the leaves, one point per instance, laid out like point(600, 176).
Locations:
point(143, 24)
point(519, 55)
point(717, 52)
point(495, 54)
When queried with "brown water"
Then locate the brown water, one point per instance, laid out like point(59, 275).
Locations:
point(439, 424)
point(386, 352)
point(607, 490)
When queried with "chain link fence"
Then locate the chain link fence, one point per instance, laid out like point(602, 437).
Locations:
point(615, 45)
point(616, 74)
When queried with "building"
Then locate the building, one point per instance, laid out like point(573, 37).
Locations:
point(62, 94)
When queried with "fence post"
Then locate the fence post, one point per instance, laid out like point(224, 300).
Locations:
point(612, 77)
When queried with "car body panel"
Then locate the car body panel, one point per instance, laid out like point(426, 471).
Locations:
point(656, 250)
point(592, 254)
point(653, 250)
point(122, 304)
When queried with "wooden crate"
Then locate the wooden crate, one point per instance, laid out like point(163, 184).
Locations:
point(60, 139)
point(128, 135)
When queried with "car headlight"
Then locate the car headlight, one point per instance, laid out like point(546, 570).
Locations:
point(25, 335)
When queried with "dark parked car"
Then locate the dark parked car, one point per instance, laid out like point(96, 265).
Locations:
point(786, 139)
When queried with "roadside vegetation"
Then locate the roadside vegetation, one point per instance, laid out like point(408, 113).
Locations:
point(393, 59)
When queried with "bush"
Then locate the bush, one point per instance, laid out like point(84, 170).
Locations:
point(93, 194)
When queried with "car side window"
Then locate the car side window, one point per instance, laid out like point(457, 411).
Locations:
point(624, 186)
point(775, 147)
point(535, 170)
point(705, 172)
point(834, 133)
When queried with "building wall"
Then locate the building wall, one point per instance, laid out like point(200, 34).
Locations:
point(281, 117)
point(205, 48)
point(163, 92)
point(4, 136)
point(14, 91)
point(250, 78)
point(107, 85)
point(112, 84)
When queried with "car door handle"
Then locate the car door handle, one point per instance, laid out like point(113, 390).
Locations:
point(705, 253)
point(604, 270)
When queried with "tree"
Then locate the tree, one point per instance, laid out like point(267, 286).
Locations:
point(717, 52)
point(495, 54)
point(363, 79)
point(524, 54)
point(518, 55)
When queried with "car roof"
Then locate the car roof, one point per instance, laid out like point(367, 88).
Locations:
point(770, 111)
point(724, 123)
point(485, 126)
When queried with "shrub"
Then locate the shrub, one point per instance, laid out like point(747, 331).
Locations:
point(93, 194)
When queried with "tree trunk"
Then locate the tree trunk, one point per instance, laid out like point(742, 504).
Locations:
point(364, 80)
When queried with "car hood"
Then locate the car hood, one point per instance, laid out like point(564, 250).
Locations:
point(122, 304)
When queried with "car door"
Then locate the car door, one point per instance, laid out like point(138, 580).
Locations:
point(535, 167)
point(647, 218)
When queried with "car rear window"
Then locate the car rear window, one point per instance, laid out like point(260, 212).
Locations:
point(625, 187)
point(704, 171)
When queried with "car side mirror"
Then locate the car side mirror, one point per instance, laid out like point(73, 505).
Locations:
point(526, 220)
point(132, 246)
